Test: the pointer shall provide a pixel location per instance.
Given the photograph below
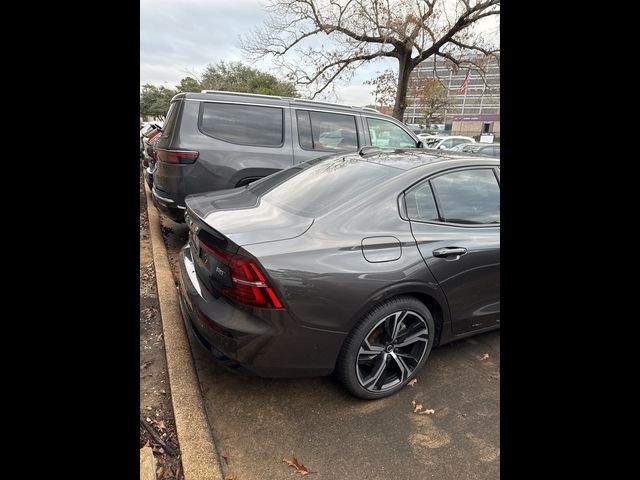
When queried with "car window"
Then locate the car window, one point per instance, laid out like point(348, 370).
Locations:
point(172, 116)
point(458, 141)
point(468, 196)
point(327, 184)
point(243, 124)
point(326, 131)
point(385, 134)
point(447, 143)
point(496, 150)
point(421, 204)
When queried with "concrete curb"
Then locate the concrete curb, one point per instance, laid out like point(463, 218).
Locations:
point(197, 448)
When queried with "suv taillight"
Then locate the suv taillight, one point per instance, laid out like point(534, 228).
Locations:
point(250, 286)
point(177, 156)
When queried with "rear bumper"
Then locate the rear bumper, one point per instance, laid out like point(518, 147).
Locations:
point(266, 343)
point(167, 205)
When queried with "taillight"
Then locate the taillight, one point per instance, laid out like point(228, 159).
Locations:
point(250, 286)
point(154, 136)
point(177, 156)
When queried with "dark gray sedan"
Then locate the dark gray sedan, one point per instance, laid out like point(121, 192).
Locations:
point(357, 264)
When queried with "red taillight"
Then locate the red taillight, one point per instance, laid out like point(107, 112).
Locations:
point(250, 286)
point(154, 136)
point(177, 156)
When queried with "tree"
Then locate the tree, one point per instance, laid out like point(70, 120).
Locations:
point(411, 31)
point(385, 87)
point(236, 77)
point(189, 84)
point(430, 96)
point(155, 101)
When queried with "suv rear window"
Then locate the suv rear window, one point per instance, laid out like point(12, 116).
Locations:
point(243, 124)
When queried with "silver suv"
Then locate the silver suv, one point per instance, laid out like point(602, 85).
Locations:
point(219, 140)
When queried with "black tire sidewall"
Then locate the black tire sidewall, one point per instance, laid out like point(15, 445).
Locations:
point(346, 367)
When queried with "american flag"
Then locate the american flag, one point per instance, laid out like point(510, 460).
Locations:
point(465, 83)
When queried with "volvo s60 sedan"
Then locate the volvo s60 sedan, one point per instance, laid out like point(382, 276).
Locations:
point(358, 264)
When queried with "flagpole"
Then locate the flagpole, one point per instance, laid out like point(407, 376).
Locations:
point(466, 81)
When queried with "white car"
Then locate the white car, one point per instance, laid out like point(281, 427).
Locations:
point(445, 143)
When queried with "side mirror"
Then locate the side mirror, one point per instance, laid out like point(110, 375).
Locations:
point(419, 144)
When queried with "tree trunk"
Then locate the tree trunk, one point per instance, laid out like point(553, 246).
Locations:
point(405, 68)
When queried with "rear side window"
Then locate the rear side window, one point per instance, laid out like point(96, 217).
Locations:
point(468, 197)
point(326, 131)
point(172, 116)
point(421, 204)
point(243, 124)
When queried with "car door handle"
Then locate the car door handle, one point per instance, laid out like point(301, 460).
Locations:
point(448, 251)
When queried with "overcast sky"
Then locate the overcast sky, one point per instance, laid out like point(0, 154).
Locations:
point(177, 36)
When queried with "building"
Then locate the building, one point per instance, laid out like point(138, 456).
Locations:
point(472, 112)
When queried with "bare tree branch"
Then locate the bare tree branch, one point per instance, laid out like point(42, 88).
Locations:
point(360, 31)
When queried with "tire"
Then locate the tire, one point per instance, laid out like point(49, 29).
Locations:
point(399, 334)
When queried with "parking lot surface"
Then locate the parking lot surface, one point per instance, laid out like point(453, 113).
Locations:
point(257, 422)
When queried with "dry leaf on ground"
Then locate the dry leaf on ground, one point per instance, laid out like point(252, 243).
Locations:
point(416, 406)
point(484, 357)
point(160, 472)
point(231, 476)
point(413, 382)
point(300, 468)
point(428, 411)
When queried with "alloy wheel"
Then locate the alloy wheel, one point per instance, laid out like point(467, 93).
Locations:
point(391, 351)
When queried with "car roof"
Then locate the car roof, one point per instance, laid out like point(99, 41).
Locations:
point(271, 100)
point(412, 158)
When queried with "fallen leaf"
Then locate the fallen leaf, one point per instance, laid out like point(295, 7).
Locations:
point(160, 425)
point(413, 382)
point(429, 411)
point(417, 407)
point(231, 476)
point(300, 468)
point(160, 472)
point(484, 357)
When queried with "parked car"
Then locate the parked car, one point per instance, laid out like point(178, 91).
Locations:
point(359, 262)
point(484, 149)
point(462, 147)
point(219, 140)
point(151, 133)
point(152, 151)
point(444, 143)
point(491, 150)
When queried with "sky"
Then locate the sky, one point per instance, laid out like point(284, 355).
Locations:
point(182, 36)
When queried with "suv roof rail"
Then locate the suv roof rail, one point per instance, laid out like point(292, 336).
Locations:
point(291, 99)
point(242, 93)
